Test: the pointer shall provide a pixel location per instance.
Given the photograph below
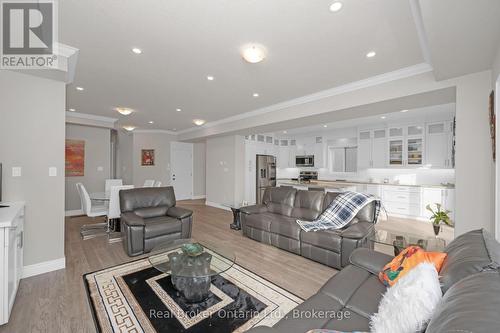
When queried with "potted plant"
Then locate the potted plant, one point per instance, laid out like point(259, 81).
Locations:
point(439, 217)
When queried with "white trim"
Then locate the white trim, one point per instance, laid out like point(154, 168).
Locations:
point(44, 267)
point(422, 35)
point(349, 87)
point(76, 212)
point(197, 197)
point(154, 131)
point(217, 205)
point(90, 119)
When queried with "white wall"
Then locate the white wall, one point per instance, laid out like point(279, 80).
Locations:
point(225, 158)
point(160, 142)
point(97, 162)
point(125, 157)
point(199, 169)
point(32, 126)
point(496, 67)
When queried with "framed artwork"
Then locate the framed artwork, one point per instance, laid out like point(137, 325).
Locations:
point(147, 157)
point(75, 158)
point(492, 124)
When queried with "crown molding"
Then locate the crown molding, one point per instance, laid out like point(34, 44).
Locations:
point(422, 35)
point(154, 131)
point(349, 87)
point(90, 120)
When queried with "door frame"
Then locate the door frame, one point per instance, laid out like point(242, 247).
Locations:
point(182, 146)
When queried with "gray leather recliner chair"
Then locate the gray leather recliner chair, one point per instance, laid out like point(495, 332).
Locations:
point(149, 216)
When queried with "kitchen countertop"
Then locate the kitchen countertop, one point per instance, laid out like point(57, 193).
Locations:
point(340, 184)
point(7, 214)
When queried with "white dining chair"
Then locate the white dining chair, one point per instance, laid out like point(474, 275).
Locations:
point(95, 229)
point(112, 182)
point(114, 211)
point(157, 183)
point(149, 183)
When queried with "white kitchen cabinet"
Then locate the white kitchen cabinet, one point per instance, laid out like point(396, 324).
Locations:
point(402, 200)
point(443, 196)
point(11, 256)
point(250, 171)
point(372, 148)
point(406, 146)
point(438, 148)
point(372, 189)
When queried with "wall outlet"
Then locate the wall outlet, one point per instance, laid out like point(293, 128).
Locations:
point(52, 172)
point(16, 171)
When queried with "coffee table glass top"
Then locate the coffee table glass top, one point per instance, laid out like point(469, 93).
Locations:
point(191, 258)
point(402, 240)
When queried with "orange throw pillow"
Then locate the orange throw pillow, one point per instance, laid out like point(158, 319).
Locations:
point(405, 261)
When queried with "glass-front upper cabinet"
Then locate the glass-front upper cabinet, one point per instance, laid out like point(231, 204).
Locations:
point(396, 152)
point(414, 149)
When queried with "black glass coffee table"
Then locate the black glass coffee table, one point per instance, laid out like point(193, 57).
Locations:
point(191, 273)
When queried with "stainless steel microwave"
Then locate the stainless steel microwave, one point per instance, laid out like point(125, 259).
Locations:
point(304, 161)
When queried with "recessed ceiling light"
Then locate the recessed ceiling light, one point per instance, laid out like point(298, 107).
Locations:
point(254, 53)
point(151, 122)
point(404, 111)
point(325, 126)
point(255, 95)
point(371, 54)
point(174, 129)
point(210, 78)
point(72, 110)
point(124, 111)
point(336, 6)
point(198, 122)
point(80, 88)
point(129, 128)
point(136, 50)
point(383, 117)
point(178, 110)
point(284, 132)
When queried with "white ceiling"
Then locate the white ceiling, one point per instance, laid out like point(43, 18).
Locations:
point(309, 49)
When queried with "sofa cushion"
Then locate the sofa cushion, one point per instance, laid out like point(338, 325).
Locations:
point(470, 305)
point(144, 197)
point(308, 205)
point(262, 221)
point(150, 212)
point(279, 200)
point(472, 252)
point(366, 214)
point(158, 226)
point(326, 239)
point(285, 226)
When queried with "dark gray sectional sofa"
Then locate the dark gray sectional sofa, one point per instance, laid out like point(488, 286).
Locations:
point(470, 280)
point(274, 222)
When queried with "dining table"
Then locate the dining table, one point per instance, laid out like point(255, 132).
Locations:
point(100, 196)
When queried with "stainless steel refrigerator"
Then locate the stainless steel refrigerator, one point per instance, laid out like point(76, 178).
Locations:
point(266, 174)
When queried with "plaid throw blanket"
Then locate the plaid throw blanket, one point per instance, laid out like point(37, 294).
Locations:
point(341, 211)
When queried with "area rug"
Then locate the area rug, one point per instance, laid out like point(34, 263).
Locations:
point(136, 297)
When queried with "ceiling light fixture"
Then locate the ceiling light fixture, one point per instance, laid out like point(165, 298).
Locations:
point(136, 50)
point(371, 54)
point(210, 78)
point(336, 6)
point(254, 53)
point(199, 122)
point(383, 117)
point(80, 88)
point(72, 110)
point(325, 126)
point(174, 129)
point(284, 132)
point(151, 122)
point(129, 128)
point(124, 111)
point(404, 111)
point(178, 110)
point(255, 95)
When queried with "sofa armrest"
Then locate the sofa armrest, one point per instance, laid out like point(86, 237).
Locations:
point(132, 219)
point(369, 260)
point(255, 209)
point(357, 230)
point(179, 212)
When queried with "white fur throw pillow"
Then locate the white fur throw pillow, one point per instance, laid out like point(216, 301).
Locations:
point(408, 306)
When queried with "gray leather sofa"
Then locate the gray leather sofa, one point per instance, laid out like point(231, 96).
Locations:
point(274, 222)
point(149, 216)
point(470, 280)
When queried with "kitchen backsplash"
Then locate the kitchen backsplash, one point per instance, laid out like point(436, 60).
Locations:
point(402, 176)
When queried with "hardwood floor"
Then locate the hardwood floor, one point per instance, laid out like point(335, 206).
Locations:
point(57, 301)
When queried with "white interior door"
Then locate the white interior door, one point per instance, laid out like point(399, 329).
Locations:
point(181, 161)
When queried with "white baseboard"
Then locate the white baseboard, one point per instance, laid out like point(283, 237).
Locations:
point(75, 212)
point(217, 205)
point(44, 267)
point(196, 197)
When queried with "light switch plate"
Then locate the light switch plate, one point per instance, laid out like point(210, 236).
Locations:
point(16, 171)
point(100, 168)
point(52, 172)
